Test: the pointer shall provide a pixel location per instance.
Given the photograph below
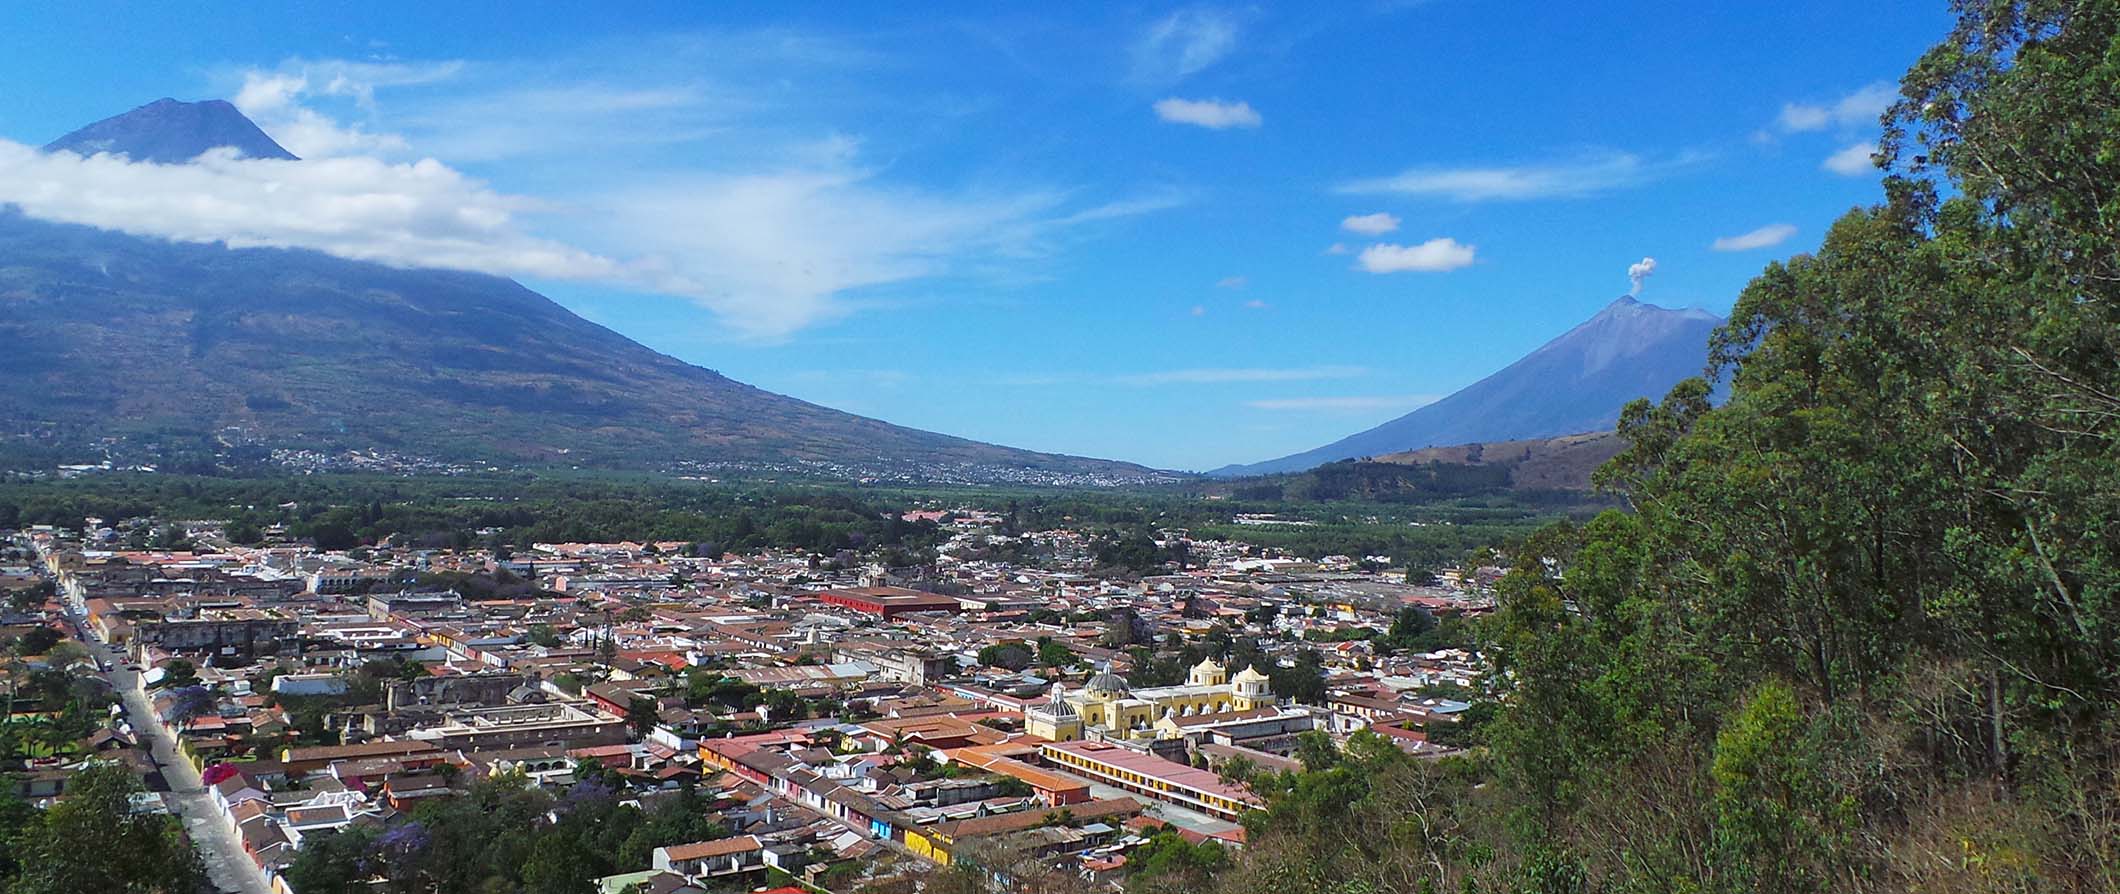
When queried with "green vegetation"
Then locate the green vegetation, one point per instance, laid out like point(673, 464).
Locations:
point(93, 841)
point(508, 512)
point(1055, 654)
point(1859, 632)
point(1009, 655)
point(1167, 862)
point(341, 512)
point(49, 711)
point(36, 642)
point(502, 835)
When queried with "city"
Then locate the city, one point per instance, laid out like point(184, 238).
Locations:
point(845, 724)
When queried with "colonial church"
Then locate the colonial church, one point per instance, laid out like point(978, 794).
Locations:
point(1107, 709)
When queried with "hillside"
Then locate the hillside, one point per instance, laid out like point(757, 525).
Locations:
point(1548, 468)
point(1574, 383)
point(1563, 463)
point(113, 336)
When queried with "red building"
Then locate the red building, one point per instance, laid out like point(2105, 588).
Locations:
point(889, 602)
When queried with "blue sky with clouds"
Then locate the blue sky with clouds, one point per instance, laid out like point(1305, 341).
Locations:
point(1179, 235)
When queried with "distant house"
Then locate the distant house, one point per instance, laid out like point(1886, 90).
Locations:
point(712, 859)
point(234, 790)
point(651, 881)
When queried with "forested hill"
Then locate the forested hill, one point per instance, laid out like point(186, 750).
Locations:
point(1549, 468)
point(113, 336)
point(1862, 630)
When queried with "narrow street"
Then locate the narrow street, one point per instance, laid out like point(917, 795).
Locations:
point(226, 863)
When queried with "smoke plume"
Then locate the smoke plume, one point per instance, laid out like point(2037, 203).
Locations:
point(1639, 273)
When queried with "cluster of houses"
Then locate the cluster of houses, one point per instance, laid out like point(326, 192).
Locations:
point(841, 719)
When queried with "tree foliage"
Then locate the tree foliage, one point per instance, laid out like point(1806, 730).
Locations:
point(1860, 630)
point(501, 835)
point(93, 841)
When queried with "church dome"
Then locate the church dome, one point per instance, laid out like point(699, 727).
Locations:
point(1056, 702)
point(1251, 675)
point(1107, 684)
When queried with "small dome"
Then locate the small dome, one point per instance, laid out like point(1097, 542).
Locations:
point(1107, 684)
point(1251, 675)
point(1057, 703)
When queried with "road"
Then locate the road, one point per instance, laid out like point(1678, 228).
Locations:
point(226, 864)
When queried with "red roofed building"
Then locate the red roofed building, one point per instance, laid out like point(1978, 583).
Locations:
point(709, 859)
point(889, 602)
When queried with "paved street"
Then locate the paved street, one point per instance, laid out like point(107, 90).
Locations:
point(226, 864)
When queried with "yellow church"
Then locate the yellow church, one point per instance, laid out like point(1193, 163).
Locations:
point(1107, 707)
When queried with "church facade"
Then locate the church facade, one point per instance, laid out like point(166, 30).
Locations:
point(1106, 708)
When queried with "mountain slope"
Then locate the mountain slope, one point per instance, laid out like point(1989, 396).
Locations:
point(170, 132)
point(1574, 383)
point(106, 337)
point(110, 335)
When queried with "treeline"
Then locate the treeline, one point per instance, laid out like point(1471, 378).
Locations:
point(340, 512)
point(512, 511)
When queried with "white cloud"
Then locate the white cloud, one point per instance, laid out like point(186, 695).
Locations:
point(1433, 256)
point(771, 253)
point(1795, 116)
point(1182, 44)
point(564, 121)
point(1199, 310)
point(1862, 107)
point(1220, 376)
point(1337, 248)
point(777, 231)
point(1764, 237)
point(1255, 304)
point(274, 100)
point(1853, 161)
point(418, 214)
point(1213, 114)
point(1357, 404)
point(1148, 203)
point(1370, 224)
point(776, 252)
point(1585, 176)
point(1232, 282)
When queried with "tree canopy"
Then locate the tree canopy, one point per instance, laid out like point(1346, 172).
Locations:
point(1859, 626)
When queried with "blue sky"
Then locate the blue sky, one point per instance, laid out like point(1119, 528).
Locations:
point(1178, 235)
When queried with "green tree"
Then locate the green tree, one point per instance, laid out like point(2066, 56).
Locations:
point(1316, 751)
point(556, 866)
point(132, 851)
point(336, 863)
point(785, 706)
point(37, 641)
point(178, 674)
point(1008, 655)
point(1053, 653)
point(642, 715)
